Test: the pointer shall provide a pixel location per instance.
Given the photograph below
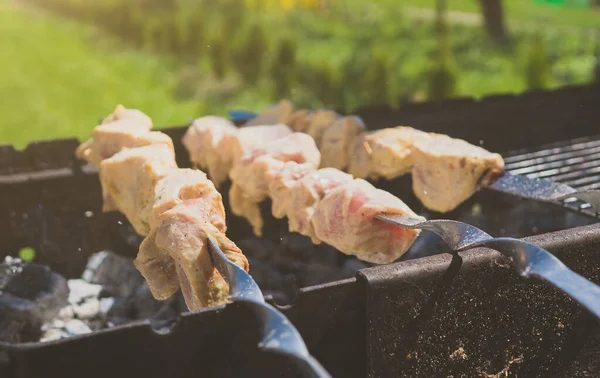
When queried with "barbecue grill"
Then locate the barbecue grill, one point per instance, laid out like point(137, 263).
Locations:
point(432, 314)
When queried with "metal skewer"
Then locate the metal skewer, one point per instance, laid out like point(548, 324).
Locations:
point(528, 259)
point(499, 180)
point(536, 188)
point(278, 333)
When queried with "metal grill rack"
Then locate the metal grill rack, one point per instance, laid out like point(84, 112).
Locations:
point(575, 162)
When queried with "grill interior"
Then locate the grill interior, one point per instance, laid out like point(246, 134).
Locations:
point(575, 162)
point(404, 319)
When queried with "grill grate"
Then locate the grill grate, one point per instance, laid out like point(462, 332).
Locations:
point(574, 162)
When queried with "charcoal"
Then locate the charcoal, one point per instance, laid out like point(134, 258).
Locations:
point(96, 324)
point(117, 274)
point(53, 334)
point(327, 255)
point(76, 327)
point(128, 234)
point(80, 290)
point(297, 247)
point(66, 313)
point(266, 276)
point(58, 329)
point(88, 309)
point(30, 294)
point(165, 317)
point(179, 303)
point(316, 274)
point(112, 292)
point(287, 293)
point(353, 265)
point(119, 308)
point(259, 248)
point(105, 305)
point(117, 321)
point(143, 304)
point(54, 324)
point(18, 330)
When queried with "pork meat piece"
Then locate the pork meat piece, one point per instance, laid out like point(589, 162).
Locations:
point(300, 120)
point(157, 267)
point(385, 153)
point(253, 137)
point(345, 219)
point(182, 233)
point(319, 121)
point(180, 185)
point(122, 113)
point(299, 199)
point(154, 138)
point(215, 144)
point(175, 188)
point(282, 183)
point(110, 138)
point(242, 206)
point(251, 176)
point(446, 171)
point(206, 141)
point(273, 115)
point(119, 130)
point(129, 178)
point(360, 165)
point(336, 142)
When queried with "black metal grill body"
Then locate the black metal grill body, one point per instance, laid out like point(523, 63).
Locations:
point(440, 315)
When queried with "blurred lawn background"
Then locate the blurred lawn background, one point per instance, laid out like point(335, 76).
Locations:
point(66, 63)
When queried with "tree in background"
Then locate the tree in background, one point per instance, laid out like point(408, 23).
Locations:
point(283, 68)
point(379, 85)
point(597, 55)
point(493, 18)
point(443, 74)
point(250, 53)
point(537, 66)
point(326, 82)
point(217, 52)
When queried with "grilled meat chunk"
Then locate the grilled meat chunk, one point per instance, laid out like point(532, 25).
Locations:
point(345, 219)
point(215, 144)
point(157, 267)
point(299, 121)
point(298, 199)
point(336, 142)
point(124, 128)
point(206, 142)
point(385, 153)
point(122, 113)
point(253, 137)
point(178, 186)
point(273, 115)
point(319, 122)
point(182, 233)
point(251, 176)
point(177, 209)
point(129, 179)
point(446, 170)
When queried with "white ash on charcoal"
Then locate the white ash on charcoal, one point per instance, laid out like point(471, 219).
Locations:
point(30, 294)
point(116, 274)
point(111, 292)
point(37, 304)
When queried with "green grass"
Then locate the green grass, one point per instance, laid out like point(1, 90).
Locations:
point(529, 11)
point(57, 78)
